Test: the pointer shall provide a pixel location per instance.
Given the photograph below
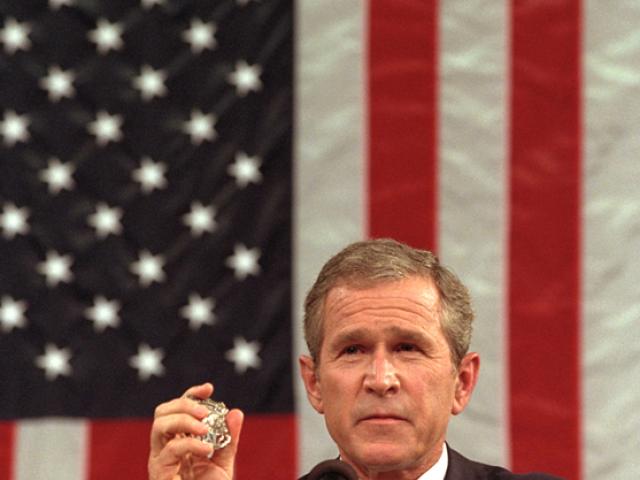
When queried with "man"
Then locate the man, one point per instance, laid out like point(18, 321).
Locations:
point(388, 331)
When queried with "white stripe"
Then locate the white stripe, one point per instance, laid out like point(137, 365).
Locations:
point(328, 164)
point(473, 199)
point(51, 449)
point(611, 326)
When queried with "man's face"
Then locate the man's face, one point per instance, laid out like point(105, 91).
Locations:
point(384, 380)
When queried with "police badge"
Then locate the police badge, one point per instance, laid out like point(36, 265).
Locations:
point(218, 434)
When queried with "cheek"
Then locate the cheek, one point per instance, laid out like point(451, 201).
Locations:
point(433, 389)
point(337, 407)
point(338, 392)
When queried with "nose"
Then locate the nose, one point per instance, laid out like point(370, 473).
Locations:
point(381, 379)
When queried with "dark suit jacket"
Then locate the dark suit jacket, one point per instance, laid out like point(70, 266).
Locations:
point(461, 468)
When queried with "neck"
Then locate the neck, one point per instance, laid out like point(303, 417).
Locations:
point(411, 471)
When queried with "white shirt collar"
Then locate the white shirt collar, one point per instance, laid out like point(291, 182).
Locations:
point(439, 469)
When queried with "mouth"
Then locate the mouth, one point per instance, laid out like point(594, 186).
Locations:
point(382, 419)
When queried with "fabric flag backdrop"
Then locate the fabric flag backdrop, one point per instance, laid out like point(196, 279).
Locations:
point(504, 136)
point(149, 213)
point(145, 184)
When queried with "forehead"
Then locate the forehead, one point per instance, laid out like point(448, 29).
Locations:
point(412, 300)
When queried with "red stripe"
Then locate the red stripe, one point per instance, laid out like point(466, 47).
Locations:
point(118, 449)
point(402, 120)
point(268, 448)
point(7, 442)
point(544, 274)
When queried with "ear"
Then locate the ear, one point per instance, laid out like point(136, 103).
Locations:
point(466, 378)
point(311, 382)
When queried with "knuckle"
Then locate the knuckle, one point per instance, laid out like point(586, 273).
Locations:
point(172, 446)
point(158, 410)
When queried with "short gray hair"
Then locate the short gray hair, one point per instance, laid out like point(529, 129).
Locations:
point(372, 262)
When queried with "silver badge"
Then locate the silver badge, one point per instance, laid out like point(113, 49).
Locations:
point(218, 434)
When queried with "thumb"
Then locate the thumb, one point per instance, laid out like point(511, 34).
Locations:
point(226, 457)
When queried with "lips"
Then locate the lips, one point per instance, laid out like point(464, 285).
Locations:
point(382, 418)
point(381, 413)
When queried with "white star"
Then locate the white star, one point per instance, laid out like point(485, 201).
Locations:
point(56, 268)
point(200, 127)
point(13, 220)
point(149, 268)
point(13, 128)
point(106, 220)
point(199, 311)
point(58, 176)
point(200, 219)
point(12, 314)
point(103, 313)
point(107, 36)
point(200, 35)
point(244, 262)
point(56, 4)
point(150, 175)
point(106, 128)
point(59, 83)
point(15, 36)
point(150, 82)
point(246, 78)
point(148, 362)
point(245, 169)
point(146, 4)
point(55, 361)
point(244, 354)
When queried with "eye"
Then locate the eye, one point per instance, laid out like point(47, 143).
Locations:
point(351, 350)
point(407, 347)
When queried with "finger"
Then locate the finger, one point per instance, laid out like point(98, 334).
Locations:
point(166, 427)
point(181, 405)
point(179, 447)
point(225, 457)
point(202, 391)
point(235, 419)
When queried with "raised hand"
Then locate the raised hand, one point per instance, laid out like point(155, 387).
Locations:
point(175, 455)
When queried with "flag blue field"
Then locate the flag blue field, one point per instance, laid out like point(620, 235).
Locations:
point(145, 209)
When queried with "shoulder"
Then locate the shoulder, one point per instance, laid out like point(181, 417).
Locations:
point(461, 468)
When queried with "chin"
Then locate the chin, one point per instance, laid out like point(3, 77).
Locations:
point(383, 456)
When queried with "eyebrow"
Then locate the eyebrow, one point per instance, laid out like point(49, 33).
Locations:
point(405, 334)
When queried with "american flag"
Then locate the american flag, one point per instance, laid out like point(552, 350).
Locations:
point(145, 194)
point(502, 134)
